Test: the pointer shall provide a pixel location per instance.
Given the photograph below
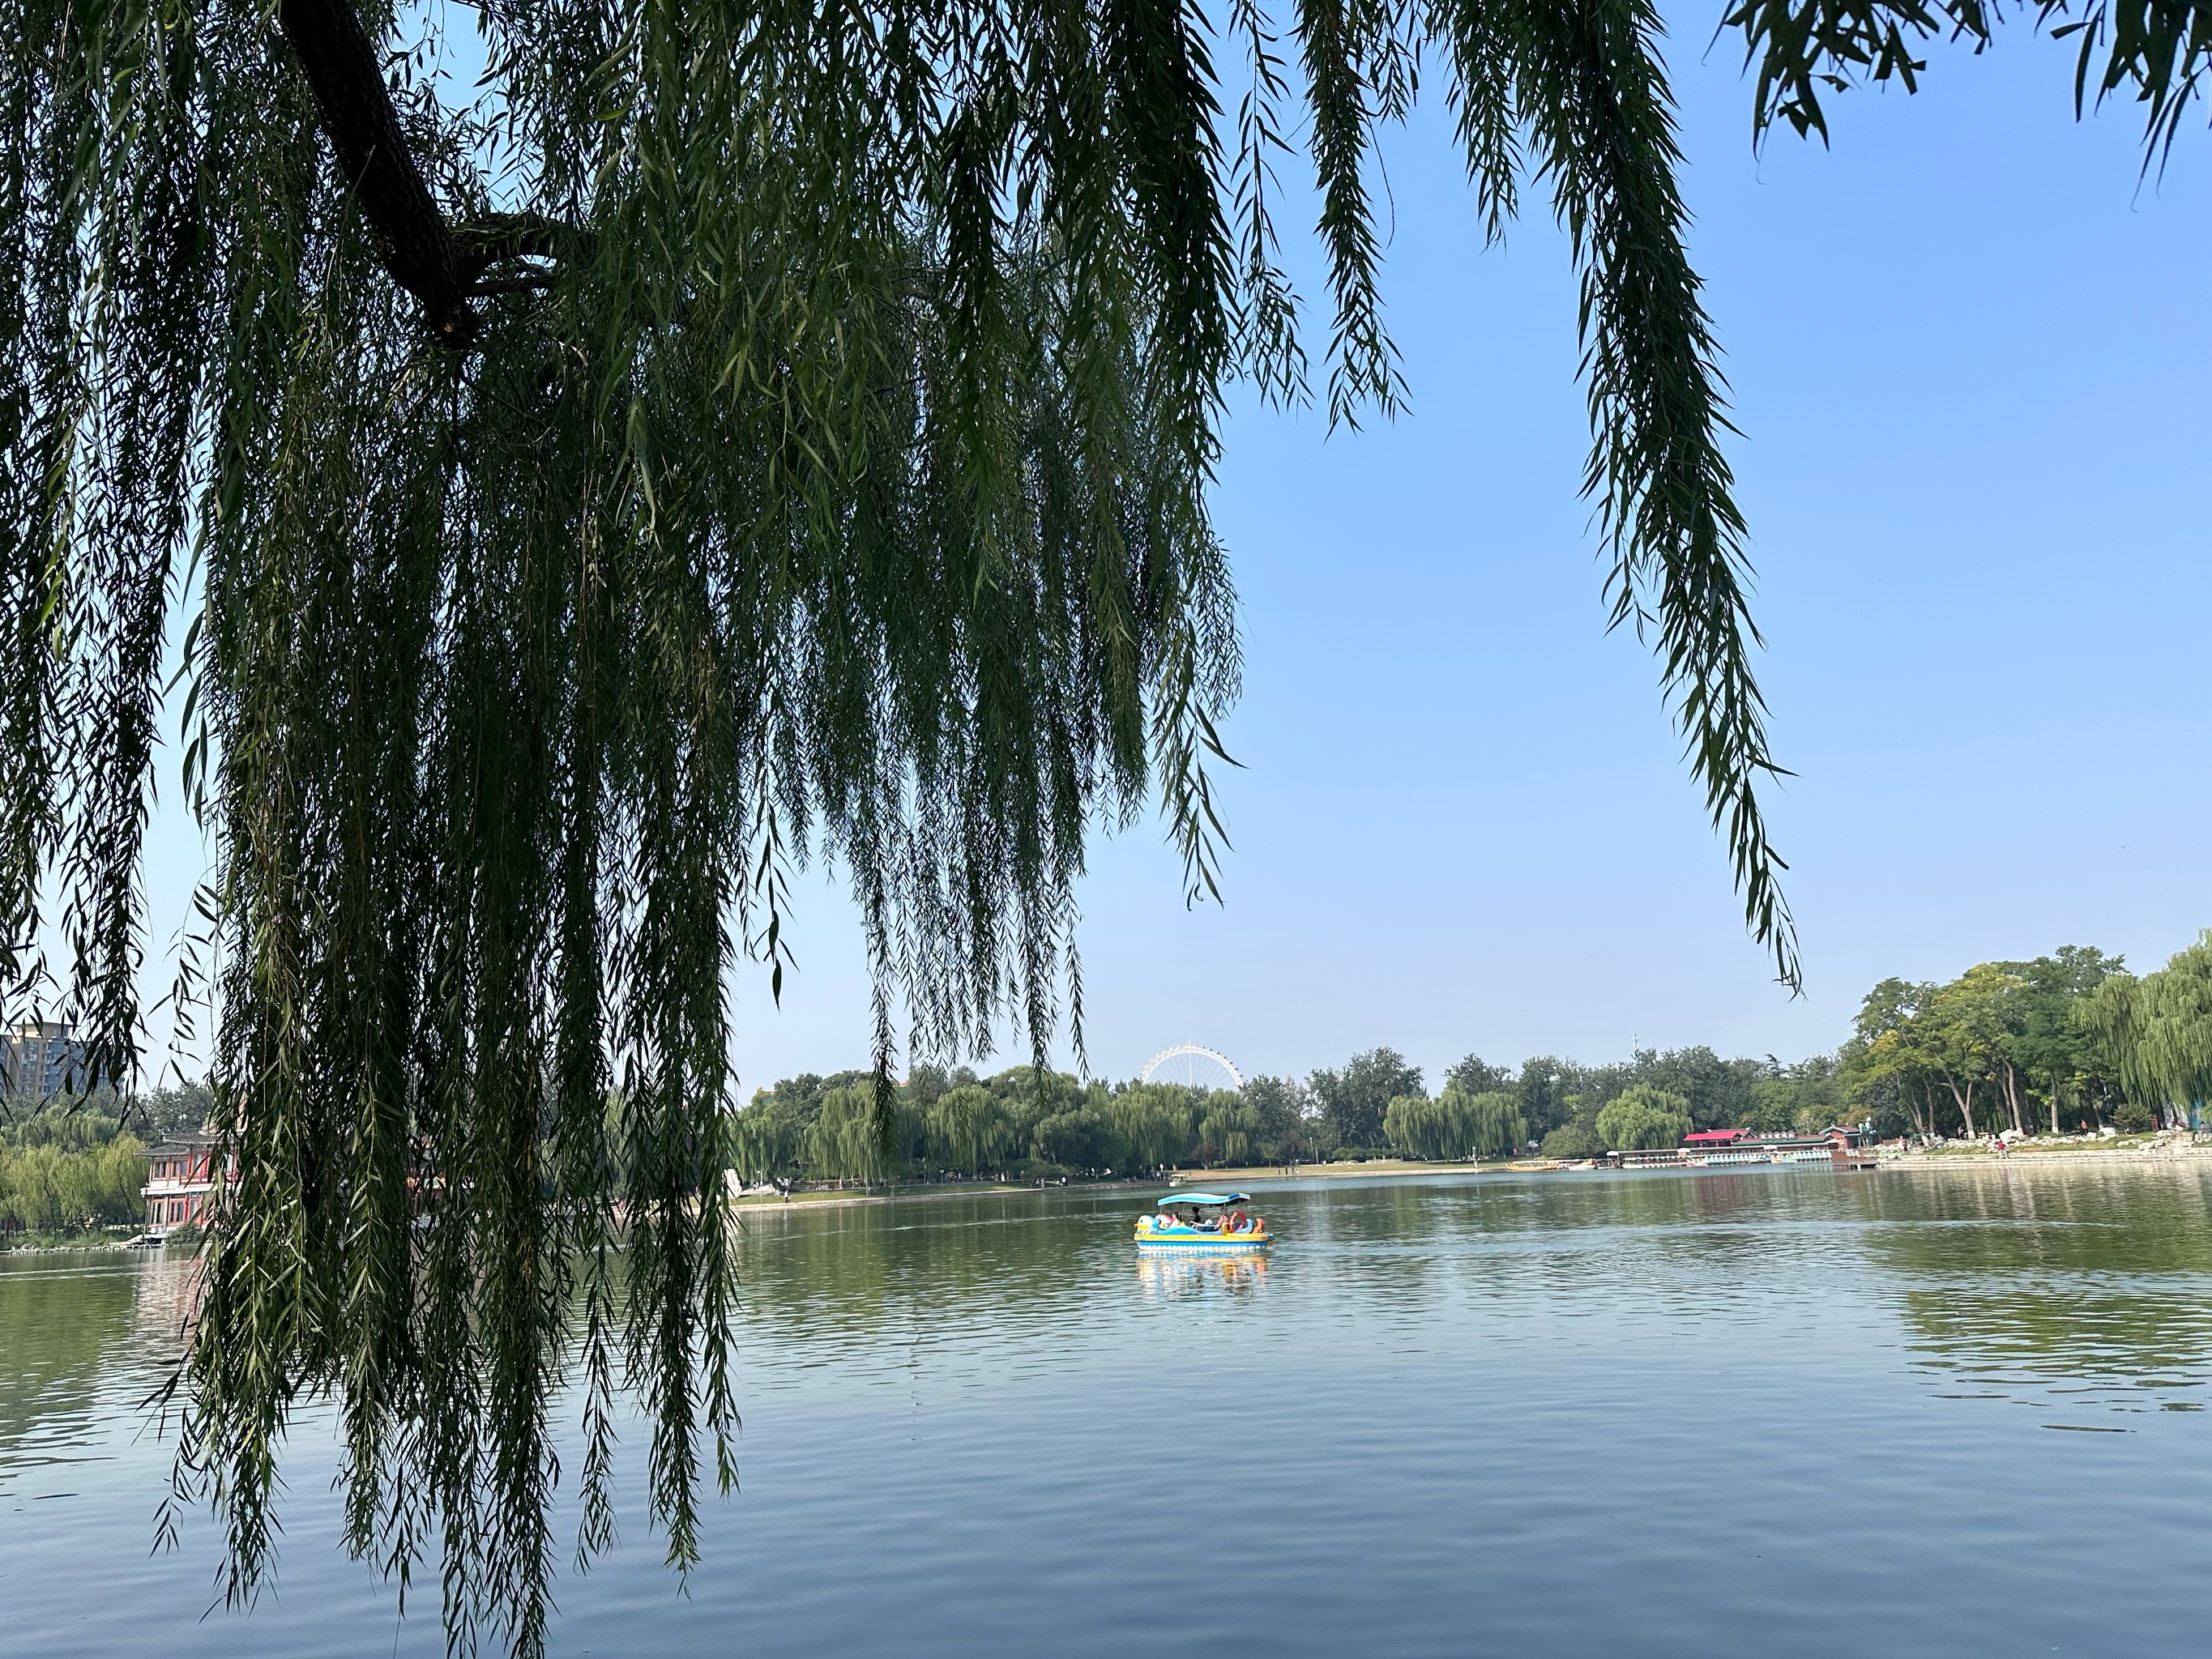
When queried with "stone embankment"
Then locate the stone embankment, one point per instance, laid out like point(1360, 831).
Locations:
point(2174, 1147)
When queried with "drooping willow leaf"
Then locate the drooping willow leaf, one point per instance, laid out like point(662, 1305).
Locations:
point(2159, 51)
point(741, 433)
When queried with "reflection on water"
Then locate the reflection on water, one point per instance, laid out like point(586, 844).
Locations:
point(2093, 1286)
point(1201, 1275)
point(2129, 1352)
point(1444, 1415)
point(72, 1325)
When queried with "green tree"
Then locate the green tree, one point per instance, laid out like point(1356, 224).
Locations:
point(1959, 1027)
point(1475, 1075)
point(2056, 1044)
point(48, 1187)
point(1719, 1092)
point(1413, 1125)
point(1354, 1099)
point(1285, 1109)
point(2159, 1031)
point(846, 1141)
point(1888, 1059)
point(1229, 1128)
point(1541, 1088)
point(1573, 1140)
point(1643, 1117)
point(1974, 1016)
point(766, 1139)
point(1152, 1123)
point(1455, 1125)
point(925, 1084)
point(969, 1129)
point(2005, 1031)
point(1078, 1140)
point(1492, 1126)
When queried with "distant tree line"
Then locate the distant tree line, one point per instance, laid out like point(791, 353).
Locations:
point(80, 1160)
point(2067, 1041)
point(1020, 1123)
point(2064, 1043)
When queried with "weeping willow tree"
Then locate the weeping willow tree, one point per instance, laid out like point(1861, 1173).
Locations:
point(1455, 1124)
point(846, 1141)
point(730, 434)
point(2158, 1028)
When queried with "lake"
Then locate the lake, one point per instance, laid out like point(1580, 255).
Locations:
point(1717, 1414)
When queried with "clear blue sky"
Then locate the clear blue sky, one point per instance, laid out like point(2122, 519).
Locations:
point(1970, 356)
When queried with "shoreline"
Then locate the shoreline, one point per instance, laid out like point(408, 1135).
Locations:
point(2172, 1154)
point(834, 1200)
point(2048, 1158)
point(2181, 1153)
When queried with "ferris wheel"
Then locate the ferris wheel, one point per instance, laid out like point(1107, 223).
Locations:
point(1193, 1064)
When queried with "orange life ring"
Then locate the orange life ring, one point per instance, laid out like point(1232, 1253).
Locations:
point(1238, 1221)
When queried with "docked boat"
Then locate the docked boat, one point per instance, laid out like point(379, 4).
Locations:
point(1201, 1222)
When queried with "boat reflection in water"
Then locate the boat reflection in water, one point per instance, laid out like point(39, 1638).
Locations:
point(1172, 1275)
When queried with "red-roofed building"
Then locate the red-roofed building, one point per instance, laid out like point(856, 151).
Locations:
point(1715, 1137)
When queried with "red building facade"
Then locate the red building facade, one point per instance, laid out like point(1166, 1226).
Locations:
point(180, 1183)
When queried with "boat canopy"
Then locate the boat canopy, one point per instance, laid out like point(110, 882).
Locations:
point(1206, 1198)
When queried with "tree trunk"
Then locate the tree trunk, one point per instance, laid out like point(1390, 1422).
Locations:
point(1963, 1099)
point(2012, 1097)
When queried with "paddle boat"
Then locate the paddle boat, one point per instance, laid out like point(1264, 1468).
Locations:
point(1203, 1221)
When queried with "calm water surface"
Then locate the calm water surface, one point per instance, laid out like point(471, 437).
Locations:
point(1727, 1414)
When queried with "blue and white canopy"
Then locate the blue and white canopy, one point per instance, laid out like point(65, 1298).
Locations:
point(1206, 1198)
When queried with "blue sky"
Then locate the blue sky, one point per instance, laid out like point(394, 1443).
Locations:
point(1969, 354)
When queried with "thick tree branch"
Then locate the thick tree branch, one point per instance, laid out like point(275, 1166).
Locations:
point(440, 266)
point(339, 61)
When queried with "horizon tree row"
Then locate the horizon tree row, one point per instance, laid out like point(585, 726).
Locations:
point(2069, 1041)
